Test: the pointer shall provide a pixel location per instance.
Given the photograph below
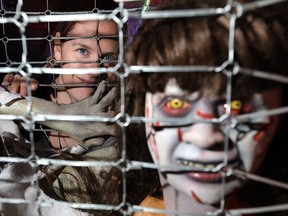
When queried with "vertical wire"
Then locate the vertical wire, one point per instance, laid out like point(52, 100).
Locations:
point(4, 33)
point(229, 74)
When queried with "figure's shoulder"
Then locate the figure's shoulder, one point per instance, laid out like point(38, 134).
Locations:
point(151, 202)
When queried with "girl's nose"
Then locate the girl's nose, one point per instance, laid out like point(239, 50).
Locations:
point(92, 64)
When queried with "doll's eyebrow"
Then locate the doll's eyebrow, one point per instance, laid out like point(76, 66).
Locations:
point(181, 97)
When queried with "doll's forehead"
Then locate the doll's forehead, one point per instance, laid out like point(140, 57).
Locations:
point(173, 88)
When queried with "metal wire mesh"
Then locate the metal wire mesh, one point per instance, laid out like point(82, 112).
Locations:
point(21, 20)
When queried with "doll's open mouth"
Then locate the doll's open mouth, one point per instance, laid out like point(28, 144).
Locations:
point(207, 172)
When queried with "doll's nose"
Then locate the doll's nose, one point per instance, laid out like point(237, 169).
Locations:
point(204, 135)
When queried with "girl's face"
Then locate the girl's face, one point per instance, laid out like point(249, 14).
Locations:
point(85, 53)
point(208, 149)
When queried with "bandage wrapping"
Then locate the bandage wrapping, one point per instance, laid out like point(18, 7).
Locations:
point(6, 97)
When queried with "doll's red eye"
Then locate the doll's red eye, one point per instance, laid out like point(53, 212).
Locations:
point(176, 107)
point(235, 105)
point(176, 104)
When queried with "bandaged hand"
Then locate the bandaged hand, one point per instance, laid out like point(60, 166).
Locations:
point(90, 133)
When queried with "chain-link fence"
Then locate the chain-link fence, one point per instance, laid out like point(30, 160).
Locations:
point(28, 40)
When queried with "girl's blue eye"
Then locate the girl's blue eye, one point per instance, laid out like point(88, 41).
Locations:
point(83, 51)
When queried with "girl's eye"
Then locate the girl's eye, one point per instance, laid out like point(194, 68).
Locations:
point(106, 61)
point(83, 51)
point(176, 107)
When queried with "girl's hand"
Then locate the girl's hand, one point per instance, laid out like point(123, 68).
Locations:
point(15, 83)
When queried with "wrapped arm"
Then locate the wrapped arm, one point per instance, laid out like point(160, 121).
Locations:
point(87, 133)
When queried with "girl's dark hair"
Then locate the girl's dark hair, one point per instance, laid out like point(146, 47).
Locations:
point(79, 7)
point(102, 188)
point(88, 6)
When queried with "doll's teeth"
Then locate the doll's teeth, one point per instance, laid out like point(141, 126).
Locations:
point(196, 165)
point(210, 166)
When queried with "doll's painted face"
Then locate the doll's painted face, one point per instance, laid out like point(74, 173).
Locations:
point(200, 146)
